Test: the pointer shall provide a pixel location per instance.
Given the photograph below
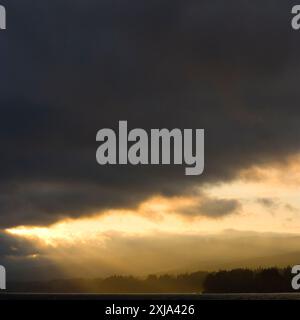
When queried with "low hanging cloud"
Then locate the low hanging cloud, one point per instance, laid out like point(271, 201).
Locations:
point(219, 207)
point(211, 208)
point(157, 64)
point(15, 247)
point(269, 203)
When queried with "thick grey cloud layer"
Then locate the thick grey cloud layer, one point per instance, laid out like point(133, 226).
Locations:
point(70, 68)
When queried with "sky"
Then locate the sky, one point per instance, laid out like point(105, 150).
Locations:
point(70, 68)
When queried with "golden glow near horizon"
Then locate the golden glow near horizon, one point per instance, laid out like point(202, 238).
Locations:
point(152, 216)
point(269, 198)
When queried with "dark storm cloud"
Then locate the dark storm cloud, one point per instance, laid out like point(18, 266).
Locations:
point(70, 68)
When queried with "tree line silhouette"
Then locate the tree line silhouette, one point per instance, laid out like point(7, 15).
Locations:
point(268, 280)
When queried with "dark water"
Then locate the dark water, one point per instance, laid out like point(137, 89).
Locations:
point(246, 296)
